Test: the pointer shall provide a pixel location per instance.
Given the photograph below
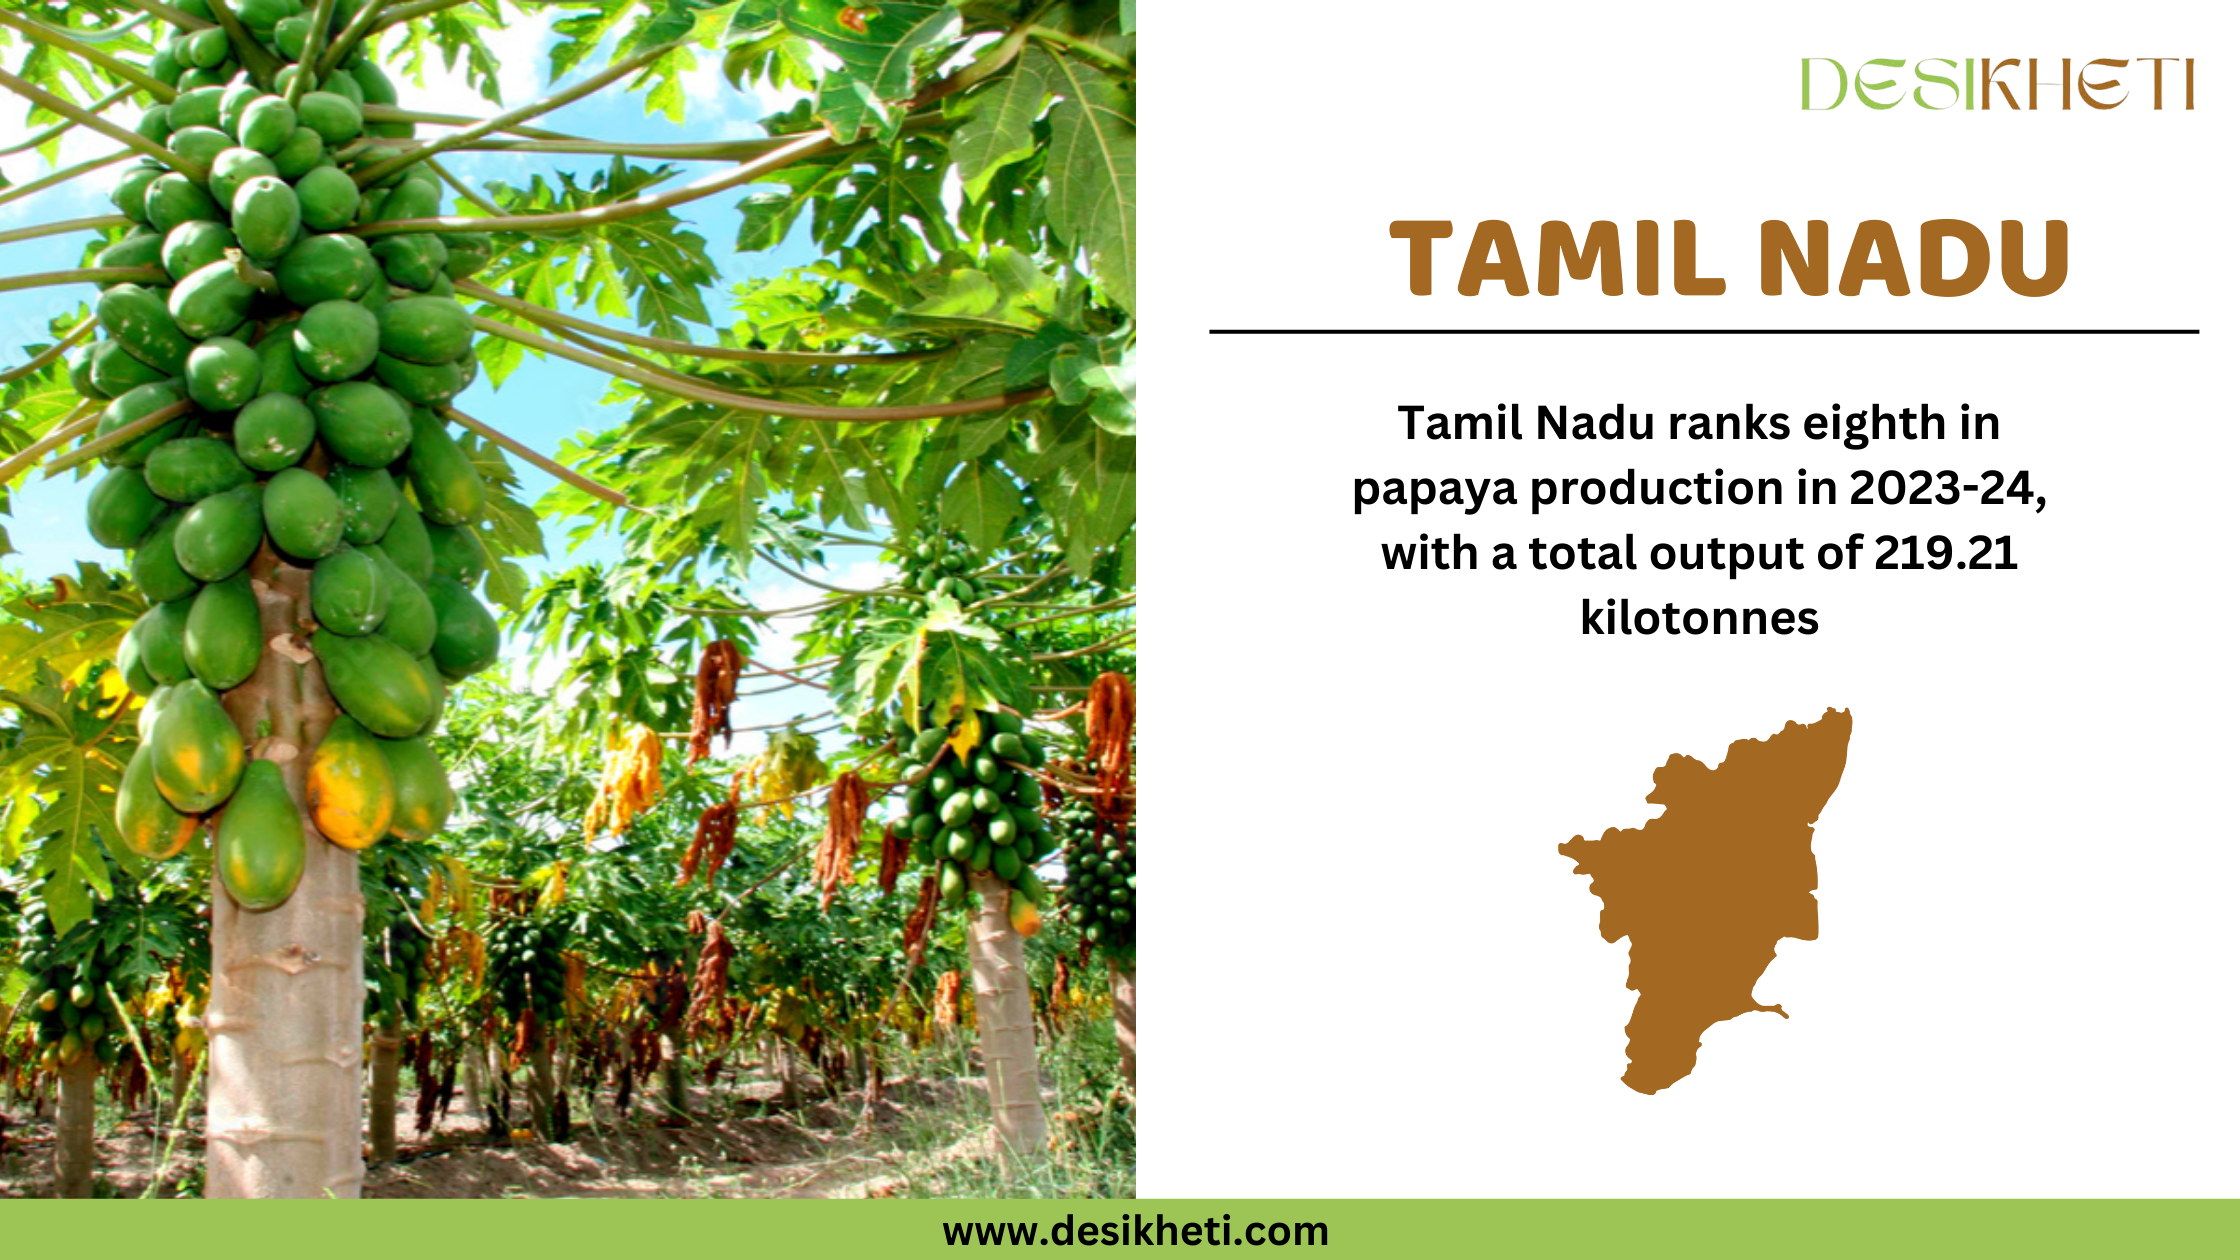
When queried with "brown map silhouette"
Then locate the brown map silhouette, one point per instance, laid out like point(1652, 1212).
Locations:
point(1708, 889)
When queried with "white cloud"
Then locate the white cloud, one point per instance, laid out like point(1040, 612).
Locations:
point(519, 48)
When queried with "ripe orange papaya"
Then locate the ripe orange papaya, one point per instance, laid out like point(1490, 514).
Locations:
point(353, 793)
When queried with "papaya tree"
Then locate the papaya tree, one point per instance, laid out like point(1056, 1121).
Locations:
point(287, 316)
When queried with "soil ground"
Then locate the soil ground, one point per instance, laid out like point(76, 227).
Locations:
point(739, 1144)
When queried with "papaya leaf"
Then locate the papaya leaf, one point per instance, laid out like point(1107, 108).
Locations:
point(1092, 175)
point(1000, 130)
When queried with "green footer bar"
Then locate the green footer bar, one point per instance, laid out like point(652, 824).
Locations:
point(707, 1230)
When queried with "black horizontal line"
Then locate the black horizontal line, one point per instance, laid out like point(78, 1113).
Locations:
point(1705, 332)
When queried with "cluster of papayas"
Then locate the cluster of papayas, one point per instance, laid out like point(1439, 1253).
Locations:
point(68, 997)
point(298, 365)
point(971, 807)
point(940, 565)
point(1100, 890)
point(394, 975)
point(526, 970)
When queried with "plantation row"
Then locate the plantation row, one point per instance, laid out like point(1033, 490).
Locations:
point(279, 817)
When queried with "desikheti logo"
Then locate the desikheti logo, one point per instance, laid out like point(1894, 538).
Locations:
point(1974, 84)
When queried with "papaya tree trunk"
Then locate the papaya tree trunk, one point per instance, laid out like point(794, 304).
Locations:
point(1124, 1018)
point(182, 1080)
point(789, 1079)
point(676, 1095)
point(287, 986)
point(1005, 1006)
point(471, 1053)
point(540, 1087)
point(384, 1105)
point(73, 1137)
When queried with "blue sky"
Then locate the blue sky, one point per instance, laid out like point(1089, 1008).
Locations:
point(544, 402)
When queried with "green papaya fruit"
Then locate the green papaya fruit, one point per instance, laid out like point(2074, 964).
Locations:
point(412, 199)
point(423, 789)
point(231, 106)
point(329, 199)
point(414, 260)
point(232, 169)
point(928, 741)
point(218, 534)
point(268, 124)
point(211, 302)
point(344, 86)
point(956, 809)
point(158, 639)
point(224, 638)
point(121, 508)
point(200, 145)
point(114, 371)
point(352, 789)
point(465, 253)
point(349, 594)
point(301, 155)
point(199, 753)
point(457, 554)
point(198, 78)
point(369, 501)
point(277, 372)
point(222, 374)
point(141, 323)
point(174, 199)
point(426, 330)
point(185, 470)
point(132, 669)
point(261, 850)
point(206, 49)
point(336, 340)
point(290, 34)
point(466, 635)
point(273, 432)
point(266, 216)
point(196, 108)
point(146, 822)
point(155, 564)
point(411, 619)
point(954, 888)
point(374, 83)
point(164, 67)
point(264, 16)
point(407, 545)
point(155, 123)
point(135, 405)
point(425, 384)
point(302, 514)
point(362, 423)
point(376, 682)
point(439, 687)
point(142, 250)
point(335, 117)
point(130, 193)
point(444, 480)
